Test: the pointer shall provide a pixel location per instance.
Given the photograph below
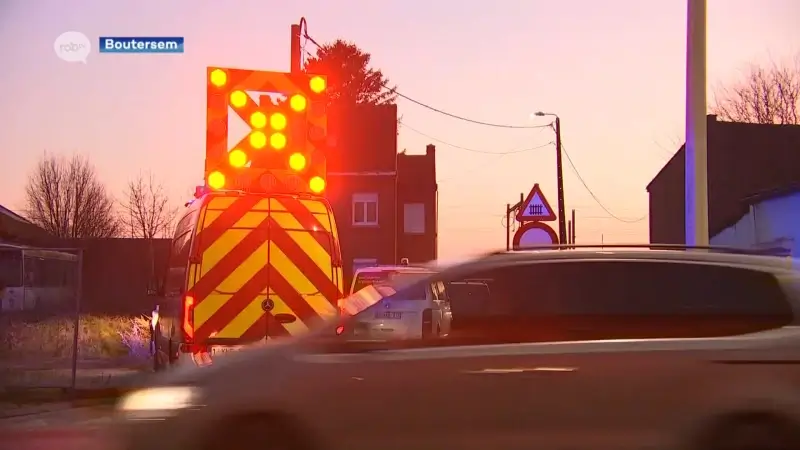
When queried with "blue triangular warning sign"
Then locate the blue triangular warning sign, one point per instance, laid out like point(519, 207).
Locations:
point(535, 208)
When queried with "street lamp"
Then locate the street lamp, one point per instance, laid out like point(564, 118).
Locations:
point(562, 222)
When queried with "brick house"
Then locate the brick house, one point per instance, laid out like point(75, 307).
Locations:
point(384, 202)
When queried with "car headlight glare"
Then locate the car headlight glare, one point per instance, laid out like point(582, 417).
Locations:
point(159, 399)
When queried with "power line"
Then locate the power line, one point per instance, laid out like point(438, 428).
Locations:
point(437, 110)
point(489, 124)
point(596, 199)
point(485, 152)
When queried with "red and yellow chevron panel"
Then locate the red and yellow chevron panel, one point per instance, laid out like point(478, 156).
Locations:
point(253, 248)
point(230, 89)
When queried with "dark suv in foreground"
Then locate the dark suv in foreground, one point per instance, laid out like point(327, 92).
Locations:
point(604, 347)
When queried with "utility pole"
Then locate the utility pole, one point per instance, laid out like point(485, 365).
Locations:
point(569, 233)
point(696, 164)
point(296, 53)
point(562, 220)
point(572, 237)
point(510, 209)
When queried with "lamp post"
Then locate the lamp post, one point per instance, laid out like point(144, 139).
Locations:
point(562, 220)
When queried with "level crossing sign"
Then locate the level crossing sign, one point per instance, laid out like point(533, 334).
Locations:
point(535, 207)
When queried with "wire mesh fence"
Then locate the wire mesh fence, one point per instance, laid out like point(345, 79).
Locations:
point(40, 291)
point(74, 319)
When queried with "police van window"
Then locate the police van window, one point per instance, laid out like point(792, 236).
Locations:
point(415, 291)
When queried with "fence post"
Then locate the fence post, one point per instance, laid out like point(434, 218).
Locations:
point(77, 321)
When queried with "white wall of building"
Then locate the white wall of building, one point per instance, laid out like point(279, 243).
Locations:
point(771, 223)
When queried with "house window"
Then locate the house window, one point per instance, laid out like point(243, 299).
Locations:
point(365, 209)
point(414, 218)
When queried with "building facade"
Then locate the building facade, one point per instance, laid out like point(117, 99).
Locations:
point(384, 202)
point(745, 161)
point(770, 224)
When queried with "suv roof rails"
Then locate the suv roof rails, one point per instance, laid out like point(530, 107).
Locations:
point(718, 249)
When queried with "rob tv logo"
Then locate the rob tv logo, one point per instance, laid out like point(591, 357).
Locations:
point(72, 46)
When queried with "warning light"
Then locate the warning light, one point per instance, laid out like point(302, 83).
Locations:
point(277, 121)
point(297, 162)
point(237, 158)
point(218, 77)
point(298, 103)
point(216, 180)
point(317, 185)
point(317, 84)
point(258, 139)
point(277, 141)
point(238, 99)
point(258, 120)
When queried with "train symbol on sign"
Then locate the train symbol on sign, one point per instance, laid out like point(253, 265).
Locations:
point(535, 210)
point(268, 305)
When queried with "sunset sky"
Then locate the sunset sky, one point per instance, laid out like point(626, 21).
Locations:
point(612, 69)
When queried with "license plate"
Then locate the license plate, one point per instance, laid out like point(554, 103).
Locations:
point(389, 315)
point(224, 349)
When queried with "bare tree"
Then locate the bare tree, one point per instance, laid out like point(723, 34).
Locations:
point(147, 212)
point(64, 196)
point(765, 95)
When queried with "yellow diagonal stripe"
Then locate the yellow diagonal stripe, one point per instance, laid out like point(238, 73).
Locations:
point(247, 270)
point(324, 221)
point(221, 203)
point(210, 216)
point(251, 219)
point(292, 274)
point(305, 240)
point(244, 320)
point(221, 247)
point(332, 224)
point(315, 206)
point(207, 307)
point(262, 205)
point(275, 205)
point(295, 328)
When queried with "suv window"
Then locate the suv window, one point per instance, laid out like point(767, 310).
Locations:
point(645, 288)
point(578, 300)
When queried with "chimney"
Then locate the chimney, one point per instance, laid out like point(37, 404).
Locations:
point(430, 150)
point(711, 118)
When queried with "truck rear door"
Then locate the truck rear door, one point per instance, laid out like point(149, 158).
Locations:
point(303, 274)
point(259, 257)
point(231, 280)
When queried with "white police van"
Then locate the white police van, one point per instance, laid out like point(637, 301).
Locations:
point(423, 312)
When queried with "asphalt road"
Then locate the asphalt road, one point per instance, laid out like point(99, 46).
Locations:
point(54, 438)
point(67, 429)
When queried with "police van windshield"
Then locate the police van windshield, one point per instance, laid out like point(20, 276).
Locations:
point(394, 277)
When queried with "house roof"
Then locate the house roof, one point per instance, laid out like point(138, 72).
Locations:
point(744, 160)
point(773, 193)
point(7, 212)
point(16, 228)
